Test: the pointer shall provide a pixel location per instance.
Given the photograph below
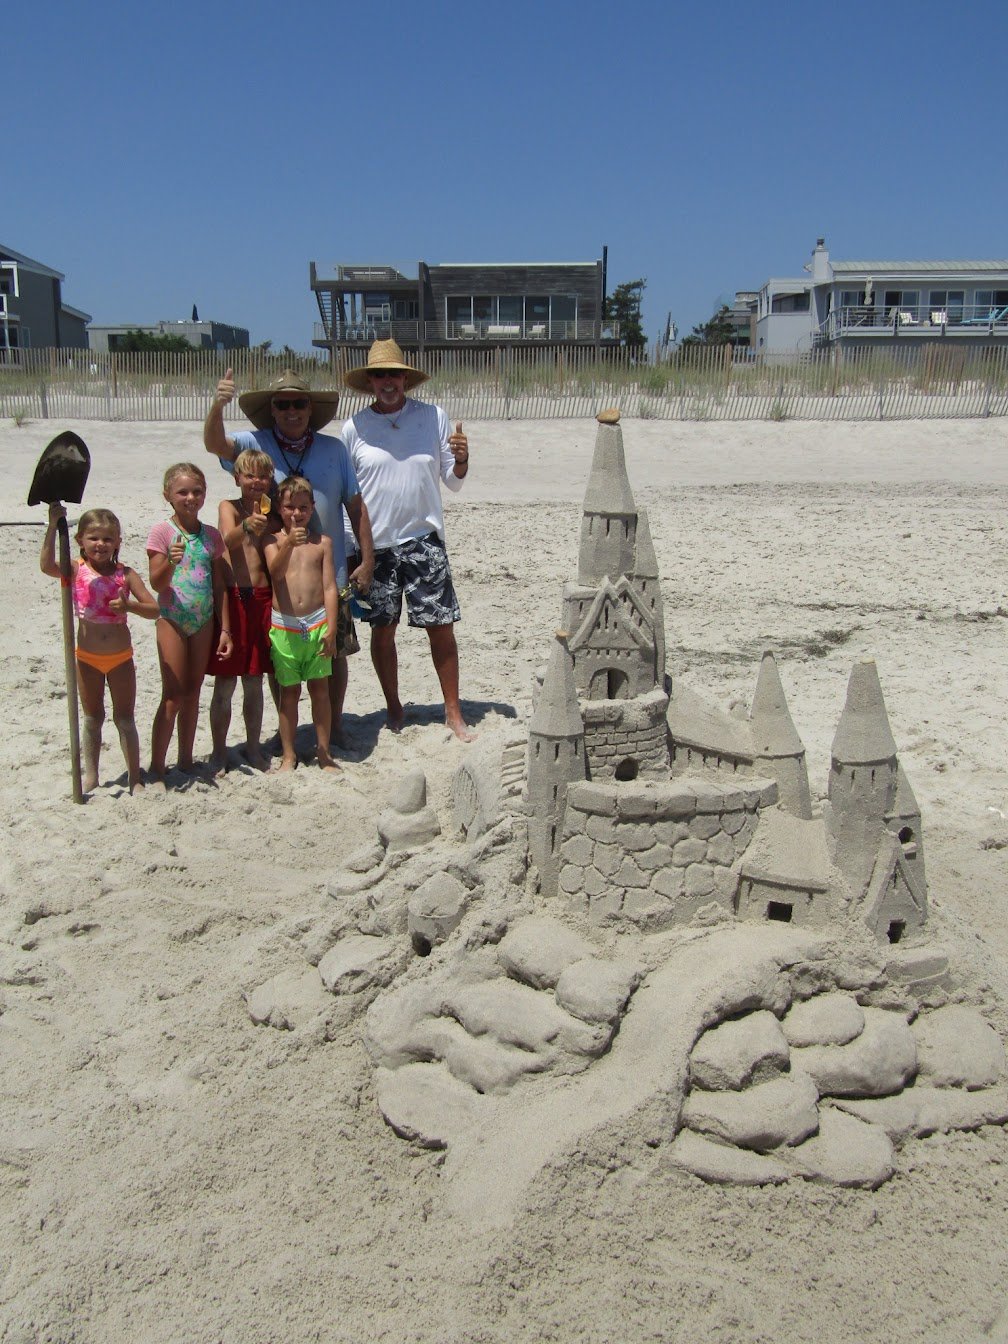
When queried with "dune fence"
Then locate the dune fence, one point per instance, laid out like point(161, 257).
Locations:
point(701, 383)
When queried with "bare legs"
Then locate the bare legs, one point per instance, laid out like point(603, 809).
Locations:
point(220, 720)
point(337, 694)
point(318, 693)
point(386, 665)
point(122, 690)
point(444, 653)
point(183, 661)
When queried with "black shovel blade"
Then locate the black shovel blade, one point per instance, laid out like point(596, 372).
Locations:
point(62, 471)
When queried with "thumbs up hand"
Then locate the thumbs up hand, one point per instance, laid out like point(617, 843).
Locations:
point(226, 388)
point(459, 445)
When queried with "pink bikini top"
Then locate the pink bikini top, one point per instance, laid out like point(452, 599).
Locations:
point(92, 593)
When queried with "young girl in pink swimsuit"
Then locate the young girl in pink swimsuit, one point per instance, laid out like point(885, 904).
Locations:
point(104, 590)
point(190, 574)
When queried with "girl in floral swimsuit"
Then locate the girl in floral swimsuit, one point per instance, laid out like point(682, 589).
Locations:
point(104, 590)
point(189, 573)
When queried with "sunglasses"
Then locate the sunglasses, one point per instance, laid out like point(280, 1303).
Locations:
point(386, 373)
point(286, 403)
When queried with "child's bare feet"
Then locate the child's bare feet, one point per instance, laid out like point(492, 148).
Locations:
point(256, 759)
point(136, 786)
point(218, 764)
point(325, 761)
point(286, 763)
point(89, 781)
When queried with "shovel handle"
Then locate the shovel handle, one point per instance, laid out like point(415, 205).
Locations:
point(69, 659)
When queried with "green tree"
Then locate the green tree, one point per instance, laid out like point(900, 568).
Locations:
point(717, 331)
point(146, 340)
point(624, 306)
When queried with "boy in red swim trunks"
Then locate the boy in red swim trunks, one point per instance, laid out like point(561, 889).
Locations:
point(243, 524)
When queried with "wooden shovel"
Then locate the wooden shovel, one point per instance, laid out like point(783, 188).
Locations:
point(60, 477)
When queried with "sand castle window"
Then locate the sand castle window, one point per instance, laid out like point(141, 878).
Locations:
point(780, 910)
point(896, 930)
point(908, 842)
point(627, 769)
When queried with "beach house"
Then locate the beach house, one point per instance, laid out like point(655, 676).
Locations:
point(32, 311)
point(859, 304)
point(485, 305)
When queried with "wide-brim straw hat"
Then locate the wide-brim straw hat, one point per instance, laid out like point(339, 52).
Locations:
point(384, 355)
point(257, 407)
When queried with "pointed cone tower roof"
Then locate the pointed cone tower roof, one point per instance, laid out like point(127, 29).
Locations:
point(905, 803)
point(863, 735)
point(608, 490)
point(773, 730)
point(646, 562)
point(557, 713)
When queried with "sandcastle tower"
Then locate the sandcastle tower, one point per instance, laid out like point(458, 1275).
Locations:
point(556, 758)
point(645, 576)
point(863, 776)
point(775, 740)
point(614, 615)
point(609, 523)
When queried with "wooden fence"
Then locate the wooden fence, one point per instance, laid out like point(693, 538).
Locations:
point(708, 383)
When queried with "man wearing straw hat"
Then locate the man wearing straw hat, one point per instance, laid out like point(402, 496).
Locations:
point(402, 449)
point(288, 416)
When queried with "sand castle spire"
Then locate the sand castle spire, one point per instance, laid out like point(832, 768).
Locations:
point(775, 739)
point(556, 757)
point(863, 774)
point(863, 735)
point(609, 524)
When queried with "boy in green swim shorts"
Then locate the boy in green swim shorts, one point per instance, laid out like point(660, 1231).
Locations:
point(303, 620)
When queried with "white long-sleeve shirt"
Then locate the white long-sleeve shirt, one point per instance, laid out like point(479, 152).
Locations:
point(400, 461)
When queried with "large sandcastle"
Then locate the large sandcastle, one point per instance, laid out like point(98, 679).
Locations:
point(640, 924)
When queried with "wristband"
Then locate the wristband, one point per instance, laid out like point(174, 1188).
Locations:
point(245, 528)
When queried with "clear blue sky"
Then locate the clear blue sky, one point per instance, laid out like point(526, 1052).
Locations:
point(164, 154)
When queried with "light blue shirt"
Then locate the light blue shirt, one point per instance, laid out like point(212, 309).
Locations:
point(327, 465)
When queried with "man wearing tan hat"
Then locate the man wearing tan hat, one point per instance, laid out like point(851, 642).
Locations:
point(288, 416)
point(402, 451)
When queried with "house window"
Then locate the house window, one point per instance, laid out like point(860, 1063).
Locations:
point(902, 301)
point(947, 301)
point(458, 308)
point(509, 308)
point(986, 302)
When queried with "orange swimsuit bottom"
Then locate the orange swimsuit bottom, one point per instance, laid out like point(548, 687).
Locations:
point(104, 662)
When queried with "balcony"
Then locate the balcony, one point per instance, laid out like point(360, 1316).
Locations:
point(482, 333)
point(869, 321)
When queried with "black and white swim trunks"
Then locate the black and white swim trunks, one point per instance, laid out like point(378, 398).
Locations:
point(419, 571)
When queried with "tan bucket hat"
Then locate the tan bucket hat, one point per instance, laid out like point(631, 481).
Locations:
point(256, 405)
point(383, 355)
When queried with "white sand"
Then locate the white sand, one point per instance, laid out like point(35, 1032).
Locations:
point(171, 1172)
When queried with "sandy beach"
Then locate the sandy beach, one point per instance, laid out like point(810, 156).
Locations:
point(172, 1172)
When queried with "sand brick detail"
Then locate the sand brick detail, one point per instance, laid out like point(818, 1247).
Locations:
point(646, 853)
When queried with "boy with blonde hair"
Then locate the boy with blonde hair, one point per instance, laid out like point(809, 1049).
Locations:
point(303, 620)
point(243, 523)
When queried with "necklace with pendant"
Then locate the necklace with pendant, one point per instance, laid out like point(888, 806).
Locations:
point(402, 411)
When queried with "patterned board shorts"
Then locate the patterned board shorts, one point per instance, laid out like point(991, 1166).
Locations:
point(419, 571)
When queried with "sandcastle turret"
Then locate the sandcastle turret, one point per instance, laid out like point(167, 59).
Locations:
point(776, 742)
point(863, 774)
point(556, 757)
point(609, 524)
point(645, 576)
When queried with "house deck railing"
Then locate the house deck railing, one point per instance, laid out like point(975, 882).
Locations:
point(409, 332)
point(879, 320)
